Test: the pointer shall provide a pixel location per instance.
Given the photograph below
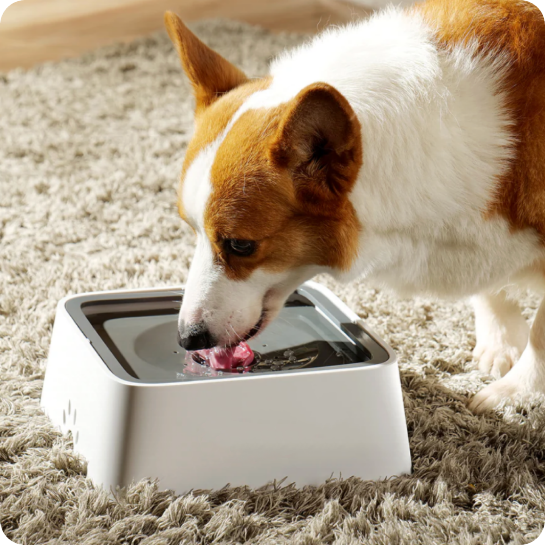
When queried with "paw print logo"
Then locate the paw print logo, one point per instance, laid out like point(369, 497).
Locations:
point(69, 416)
point(4, 5)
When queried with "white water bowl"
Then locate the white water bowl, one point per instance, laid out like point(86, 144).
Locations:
point(117, 379)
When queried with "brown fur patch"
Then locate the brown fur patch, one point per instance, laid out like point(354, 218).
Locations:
point(285, 205)
point(516, 29)
point(210, 122)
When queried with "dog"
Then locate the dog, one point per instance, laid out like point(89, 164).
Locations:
point(408, 149)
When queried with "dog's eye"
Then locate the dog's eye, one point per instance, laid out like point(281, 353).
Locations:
point(239, 247)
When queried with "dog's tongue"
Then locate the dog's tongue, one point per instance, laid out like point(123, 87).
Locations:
point(228, 358)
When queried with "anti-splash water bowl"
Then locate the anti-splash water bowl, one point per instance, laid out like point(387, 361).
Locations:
point(323, 398)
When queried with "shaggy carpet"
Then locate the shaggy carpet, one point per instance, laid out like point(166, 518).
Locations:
point(89, 160)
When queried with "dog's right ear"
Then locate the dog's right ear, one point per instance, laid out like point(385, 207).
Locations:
point(210, 74)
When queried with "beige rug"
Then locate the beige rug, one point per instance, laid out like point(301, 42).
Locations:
point(90, 151)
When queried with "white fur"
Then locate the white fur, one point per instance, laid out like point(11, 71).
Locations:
point(502, 333)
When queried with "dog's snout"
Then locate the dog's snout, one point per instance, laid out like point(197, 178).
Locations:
point(195, 337)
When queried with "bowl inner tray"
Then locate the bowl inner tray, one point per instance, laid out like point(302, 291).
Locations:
point(136, 338)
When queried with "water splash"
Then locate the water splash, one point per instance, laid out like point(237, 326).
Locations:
point(282, 360)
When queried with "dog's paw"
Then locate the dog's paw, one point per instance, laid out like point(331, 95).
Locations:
point(526, 377)
point(491, 396)
point(496, 359)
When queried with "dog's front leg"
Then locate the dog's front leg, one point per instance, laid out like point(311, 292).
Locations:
point(502, 333)
point(527, 376)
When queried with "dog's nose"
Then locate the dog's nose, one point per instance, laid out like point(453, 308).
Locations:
point(195, 337)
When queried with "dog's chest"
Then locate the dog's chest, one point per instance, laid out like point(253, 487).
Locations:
point(451, 260)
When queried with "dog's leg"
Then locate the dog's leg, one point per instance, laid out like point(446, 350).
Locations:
point(527, 376)
point(502, 333)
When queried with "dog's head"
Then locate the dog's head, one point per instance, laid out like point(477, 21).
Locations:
point(266, 190)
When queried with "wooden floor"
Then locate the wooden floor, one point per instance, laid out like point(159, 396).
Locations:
point(33, 31)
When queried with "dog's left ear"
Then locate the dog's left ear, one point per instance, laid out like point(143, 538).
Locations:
point(210, 74)
point(319, 141)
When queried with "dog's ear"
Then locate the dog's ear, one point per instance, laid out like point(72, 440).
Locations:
point(319, 141)
point(210, 74)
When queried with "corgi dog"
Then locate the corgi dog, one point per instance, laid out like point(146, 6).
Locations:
point(408, 149)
